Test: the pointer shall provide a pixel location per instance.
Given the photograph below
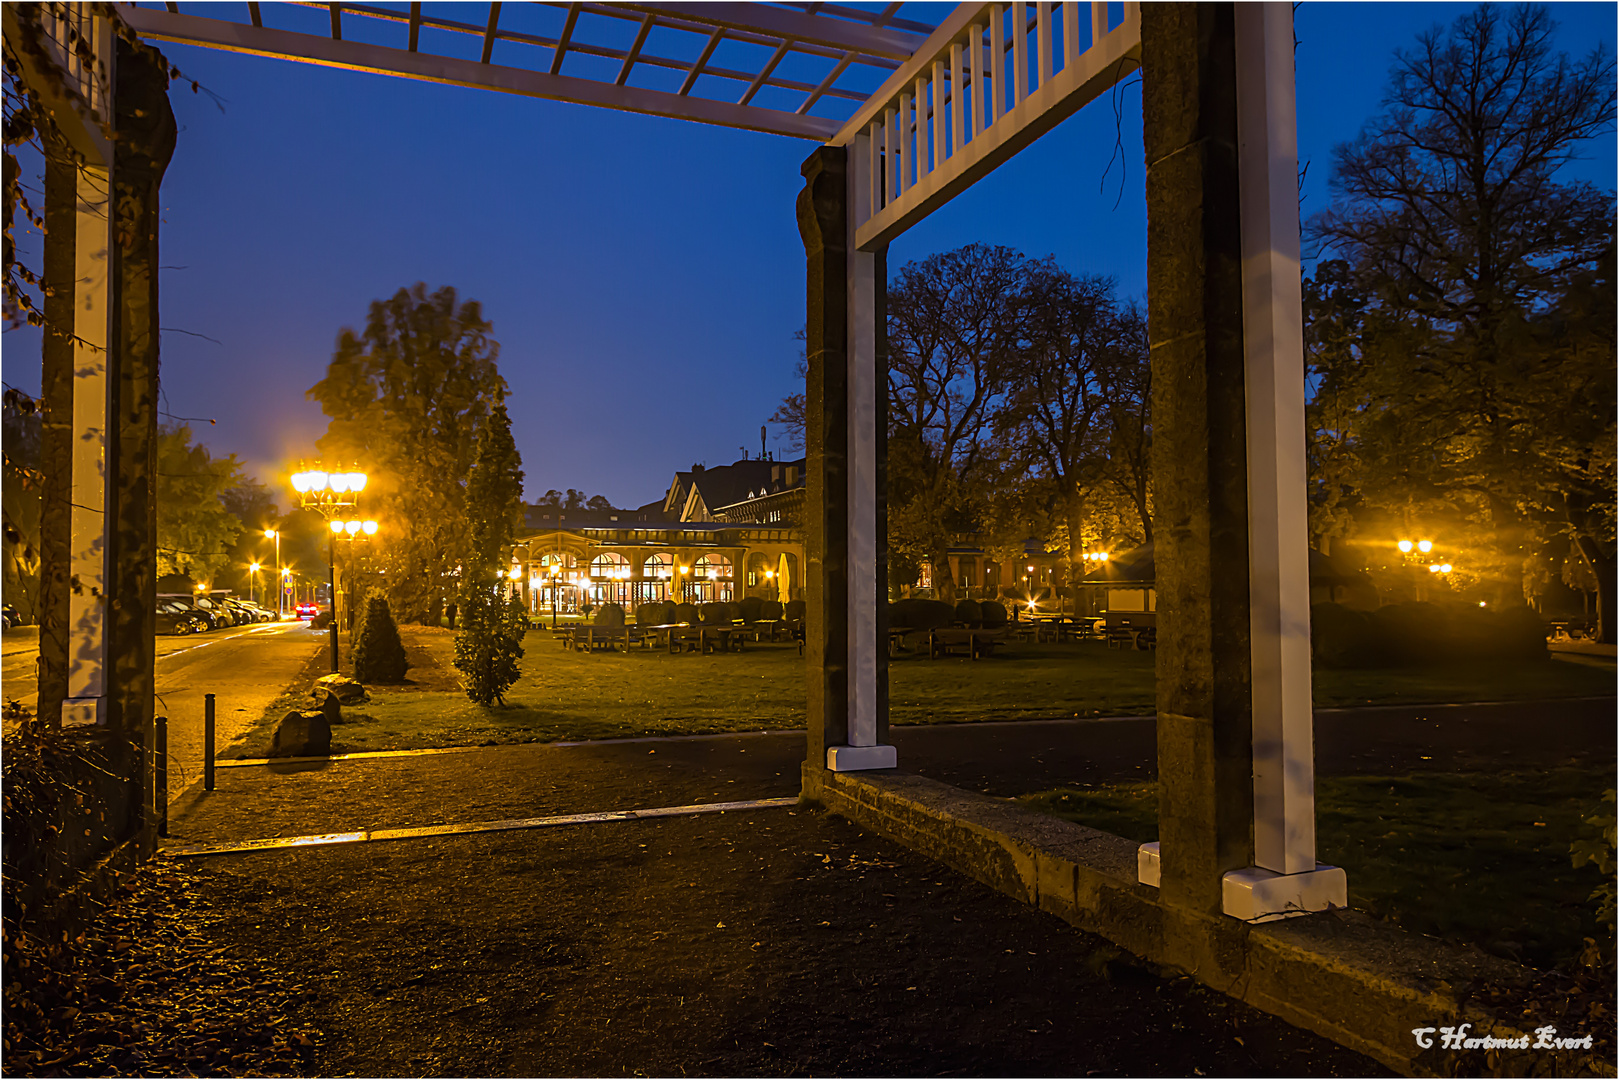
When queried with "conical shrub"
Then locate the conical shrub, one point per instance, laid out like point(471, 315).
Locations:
point(379, 655)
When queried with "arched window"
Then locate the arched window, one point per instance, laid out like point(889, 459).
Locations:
point(711, 578)
point(610, 578)
point(653, 583)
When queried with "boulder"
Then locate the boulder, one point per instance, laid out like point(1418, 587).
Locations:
point(347, 691)
point(303, 734)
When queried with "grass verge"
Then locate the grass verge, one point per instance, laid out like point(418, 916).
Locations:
point(1471, 857)
point(565, 695)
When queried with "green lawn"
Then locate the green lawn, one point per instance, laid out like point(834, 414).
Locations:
point(565, 695)
point(1480, 858)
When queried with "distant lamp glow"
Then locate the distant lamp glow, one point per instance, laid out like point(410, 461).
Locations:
point(1481, 603)
point(1031, 605)
point(339, 482)
point(337, 526)
point(1424, 546)
point(357, 481)
point(202, 588)
point(316, 480)
point(1444, 568)
point(1102, 555)
point(300, 484)
point(271, 534)
point(1433, 568)
point(352, 527)
point(254, 567)
point(286, 571)
point(517, 574)
point(369, 528)
point(769, 574)
point(1405, 546)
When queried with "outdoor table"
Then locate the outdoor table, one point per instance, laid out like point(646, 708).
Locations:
point(978, 642)
point(592, 636)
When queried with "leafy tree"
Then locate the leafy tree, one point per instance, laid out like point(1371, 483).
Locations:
point(1467, 264)
point(195, 530)
point(21, 487)
point(379, 654)
point(406, 399)
point(489, 643)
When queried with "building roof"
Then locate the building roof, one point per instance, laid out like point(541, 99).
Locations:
point(727, 485)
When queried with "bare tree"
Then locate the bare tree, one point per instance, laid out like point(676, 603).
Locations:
point(953, 330)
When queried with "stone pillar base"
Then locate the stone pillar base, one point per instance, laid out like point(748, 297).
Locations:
point(1254, 894)
point(858, 758)
point(81, 712)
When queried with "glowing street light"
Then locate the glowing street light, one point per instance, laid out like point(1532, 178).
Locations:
point(1425, 546)
point(1405, 546)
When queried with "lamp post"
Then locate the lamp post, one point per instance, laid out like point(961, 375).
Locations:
point(327, 493)
point(252, 583)
point(281, 584)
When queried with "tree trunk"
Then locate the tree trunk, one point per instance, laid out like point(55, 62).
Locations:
point(944, 583)
point(1602, 567)
point(1074, 513)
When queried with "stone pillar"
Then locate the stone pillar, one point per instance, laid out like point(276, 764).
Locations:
point(823, 224)
point(146, 130)
point(1210, 605)
point(56, 439)
point(844, 520)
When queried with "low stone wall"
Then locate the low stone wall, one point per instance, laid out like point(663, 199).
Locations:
point(1358, 982)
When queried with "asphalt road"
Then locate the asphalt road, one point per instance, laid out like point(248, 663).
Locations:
point(245, 667)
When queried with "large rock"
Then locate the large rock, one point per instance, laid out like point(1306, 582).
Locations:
point(347, 691)
point(302, 734)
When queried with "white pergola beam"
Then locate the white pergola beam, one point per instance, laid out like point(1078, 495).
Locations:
point(834, 33)
point(382, 60)
point(1081, 80)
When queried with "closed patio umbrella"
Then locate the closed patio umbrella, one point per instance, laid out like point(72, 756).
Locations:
point(782, 583)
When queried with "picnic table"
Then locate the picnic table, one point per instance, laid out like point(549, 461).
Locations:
point(977, 643)
point(590, 638)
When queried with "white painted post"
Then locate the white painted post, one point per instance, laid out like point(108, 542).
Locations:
point(863, 750)
point(1286, 877)
point(92, 324)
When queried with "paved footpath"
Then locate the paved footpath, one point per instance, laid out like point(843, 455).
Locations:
point(1005, 759)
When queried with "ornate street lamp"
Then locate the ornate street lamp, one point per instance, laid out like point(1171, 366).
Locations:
point(328, 493)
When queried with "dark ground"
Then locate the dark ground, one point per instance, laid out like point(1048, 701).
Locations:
point(776, 942)
point(768, 942)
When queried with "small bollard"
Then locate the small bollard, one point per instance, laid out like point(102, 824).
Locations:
point(208, 742)
point(162, 779)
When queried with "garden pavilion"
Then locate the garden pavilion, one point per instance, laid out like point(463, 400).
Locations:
point(955, 100)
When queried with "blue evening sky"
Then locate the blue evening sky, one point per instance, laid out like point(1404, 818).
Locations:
point(644, 276)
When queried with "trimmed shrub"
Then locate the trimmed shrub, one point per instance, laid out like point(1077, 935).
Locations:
point(686, 613)
point(1520, 635)
point(917, 614)
point(379, 655)
point(750, 606)
point(993, 613)
point(1339, 637)
point(610, 615)
point(794, 609)
point(653, 613)
point(1408, 634)
point(969, 613)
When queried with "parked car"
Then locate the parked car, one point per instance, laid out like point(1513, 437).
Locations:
point(194, 604)
point(260, 612)
point(177, 618)
point(245, 612)
point(219, 616)
point(12, 616)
